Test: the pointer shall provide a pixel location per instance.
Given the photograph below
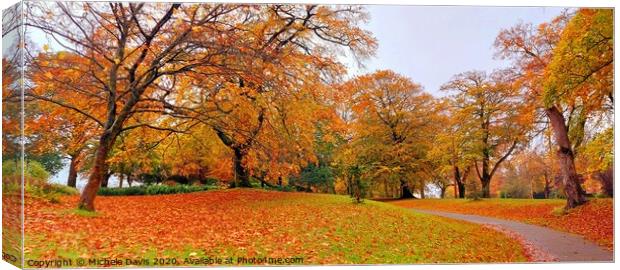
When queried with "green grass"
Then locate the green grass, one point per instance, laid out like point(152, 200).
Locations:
point(82, 213)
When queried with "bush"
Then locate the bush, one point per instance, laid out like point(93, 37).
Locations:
point(474, 196)
point(34, 171)
point(557, 194)
point(61, 189)
point(282, 188)
point(35, 178)
point(152, 190)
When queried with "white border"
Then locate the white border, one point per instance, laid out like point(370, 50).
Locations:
point(556, 3)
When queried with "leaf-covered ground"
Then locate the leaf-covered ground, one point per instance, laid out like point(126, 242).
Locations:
point(11, 228)
point(594, 221)
point(321, 229)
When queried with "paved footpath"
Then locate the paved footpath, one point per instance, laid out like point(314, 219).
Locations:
point(564, 247)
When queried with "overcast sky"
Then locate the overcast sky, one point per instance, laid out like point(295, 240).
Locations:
point(430, 44)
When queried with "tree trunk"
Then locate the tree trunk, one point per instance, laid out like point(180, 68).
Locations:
point(461, 188)
point(575, 195)
point(485, 180)
point(405, 191)
point(456, 190)
point(547, 190)
point(72, 179)
point(606, 178)
point(386, 190)
point(486, 187)
point(121, 177)
point(98, 172)
point(264, 183)
point(422, 195)
point(241, 175)
point(459, 183)
point(106, 180)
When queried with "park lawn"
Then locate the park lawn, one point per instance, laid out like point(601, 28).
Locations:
point(320, 228)
point(593, 221)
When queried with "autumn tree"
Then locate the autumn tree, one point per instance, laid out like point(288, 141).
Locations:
point(492, 115)
point(452, 146)
point(392, 116)
point(581, 74)
point(59, 128)
point(177, 154)
point(267, 112)
point(598, 154)
point(565, 67)
point(139, 58)
point(124, 50)
point(528, 174)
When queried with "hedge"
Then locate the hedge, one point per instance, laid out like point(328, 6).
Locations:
point(152, 190)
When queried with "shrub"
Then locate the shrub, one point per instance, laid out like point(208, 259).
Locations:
point(557, 194)
point(474, 196)
point(34, 173)
point(64, 190)
point(35, 178)
point(286, 188)
point(152, 190)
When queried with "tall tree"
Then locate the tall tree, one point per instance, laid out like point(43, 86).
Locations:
point(452, 146)
point(393, 116)
point(123, 50)
point(490, 110)
point(150, 59)
point(265, 112)
point(566, 70)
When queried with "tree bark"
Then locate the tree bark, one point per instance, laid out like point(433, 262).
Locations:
point(241, 175)
point(488, 171)
point(422, 195)
point(461, 188)
point(547, 190)
point(575, 195)
point(121, 177)
point(459, 181)
point(485, 178)
point(106, 180)
point(72, 179)
point(405, 191)
point(486, 188)
point(98, 172)
point(129, 180)
point(606, 178)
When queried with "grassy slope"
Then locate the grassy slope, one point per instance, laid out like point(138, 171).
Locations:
point(323, 229)
point(594, 220)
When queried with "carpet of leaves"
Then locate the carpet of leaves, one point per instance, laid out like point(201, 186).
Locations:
point(11, 227)
point(593, 221)
point(320, 228)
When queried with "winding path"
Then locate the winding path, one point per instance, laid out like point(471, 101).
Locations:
point(564, 247)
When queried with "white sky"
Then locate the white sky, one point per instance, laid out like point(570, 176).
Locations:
point(430, 44)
